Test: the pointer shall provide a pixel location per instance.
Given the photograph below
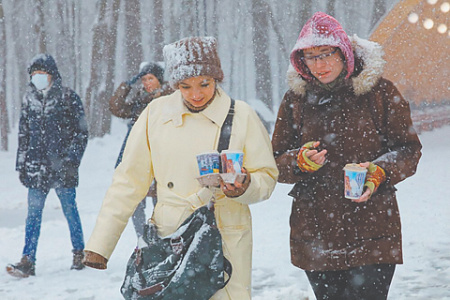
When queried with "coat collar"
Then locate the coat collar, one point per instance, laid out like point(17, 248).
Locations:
point(216, 112)
point(369, 52)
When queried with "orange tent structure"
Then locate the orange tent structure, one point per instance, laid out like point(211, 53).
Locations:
point(415, 36)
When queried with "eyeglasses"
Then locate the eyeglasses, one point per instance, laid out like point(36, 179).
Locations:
point(326, 57)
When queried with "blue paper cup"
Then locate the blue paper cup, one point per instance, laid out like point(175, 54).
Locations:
point(208, 163)
point(354, 178)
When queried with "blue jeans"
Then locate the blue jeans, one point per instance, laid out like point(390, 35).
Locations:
point(36, 201)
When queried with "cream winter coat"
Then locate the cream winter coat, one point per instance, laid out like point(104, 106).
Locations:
point(163, 144)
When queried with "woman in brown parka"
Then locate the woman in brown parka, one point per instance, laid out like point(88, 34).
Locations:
point(127, 105)
point(340, 110)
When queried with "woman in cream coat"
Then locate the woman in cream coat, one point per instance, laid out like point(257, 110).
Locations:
point(163, 145)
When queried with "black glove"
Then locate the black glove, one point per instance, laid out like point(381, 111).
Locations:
point(23, 176)
point(68, 172)
point(134, 79)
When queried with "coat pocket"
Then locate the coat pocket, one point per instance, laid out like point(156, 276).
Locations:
point(377, 218)
point(303, 220)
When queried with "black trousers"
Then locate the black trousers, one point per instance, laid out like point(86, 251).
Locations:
point(370, 282)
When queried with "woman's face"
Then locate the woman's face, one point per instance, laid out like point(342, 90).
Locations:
point(197, 91)
point(324, 62)
point(150, 82)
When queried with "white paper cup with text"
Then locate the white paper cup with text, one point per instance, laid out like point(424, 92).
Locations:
point(208, 163)
point(231, 163)
point(354, 178)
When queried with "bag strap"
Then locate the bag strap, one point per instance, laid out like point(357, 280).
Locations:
point(225, 131)
point(224, 143)
point(227, 268)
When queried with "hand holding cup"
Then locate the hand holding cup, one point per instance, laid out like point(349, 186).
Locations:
point(237, 188)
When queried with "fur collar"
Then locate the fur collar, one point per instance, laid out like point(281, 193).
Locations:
point(369, 52)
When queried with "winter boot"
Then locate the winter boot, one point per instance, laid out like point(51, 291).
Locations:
point(22, 269)
point(78, 256)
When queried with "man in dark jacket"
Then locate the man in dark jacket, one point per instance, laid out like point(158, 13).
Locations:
point(52, 139)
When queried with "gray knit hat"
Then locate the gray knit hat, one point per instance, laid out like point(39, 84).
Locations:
point(147, 67)
point(191, 57)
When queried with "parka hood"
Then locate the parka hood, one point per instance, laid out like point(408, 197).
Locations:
point(44, 62)
point(369, 64)
point(321, 30)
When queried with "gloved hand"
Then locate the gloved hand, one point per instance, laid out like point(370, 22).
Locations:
point(134, 79)
point(304, 162)
point(238, 188)
point(94, 260)
point(23, 176)
point(375, 176)
point(68, 171)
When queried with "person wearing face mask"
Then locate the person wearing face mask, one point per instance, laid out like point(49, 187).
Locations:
point(163, 144)
point(126, 105)
point(53, 136)
point(339, 110)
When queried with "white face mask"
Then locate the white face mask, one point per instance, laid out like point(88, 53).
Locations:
point(40, 81)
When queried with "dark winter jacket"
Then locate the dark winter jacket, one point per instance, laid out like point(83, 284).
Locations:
point(365, 119)
point(52, 136)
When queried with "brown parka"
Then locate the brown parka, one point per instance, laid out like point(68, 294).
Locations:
point(131, 109)
point(364, 119)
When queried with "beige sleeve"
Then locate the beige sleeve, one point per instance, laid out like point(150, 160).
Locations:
point(131, 181)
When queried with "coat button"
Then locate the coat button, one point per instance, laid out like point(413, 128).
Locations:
point(170, 185)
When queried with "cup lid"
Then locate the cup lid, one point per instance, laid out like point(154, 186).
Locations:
point(209, 152)
point(354, 167)
point(232, 151)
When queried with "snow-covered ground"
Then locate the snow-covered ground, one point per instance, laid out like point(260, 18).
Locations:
point(424, 206)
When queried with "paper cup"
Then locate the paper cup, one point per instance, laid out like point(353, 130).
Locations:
point(208, 163)
point(231, 161)
point(354, 178)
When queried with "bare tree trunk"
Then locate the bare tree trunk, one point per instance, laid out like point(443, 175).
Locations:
point(75, 45)
point(4, 120)
point(278, 33)
point(331, 7)
point(214, 31)
point(64, 43)
point(21, 56)
point(100, 87)
point(261, 42)
point(235, 51)
point(175, 24)
point(188, 27)
point(111, 46)
point(197, 17)
point(133, 36)
point(158, 30)
point(378, 11)
point(305, 12)
point(39, 26)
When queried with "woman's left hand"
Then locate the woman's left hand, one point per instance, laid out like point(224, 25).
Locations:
point(367, 192)
point(236, 189)
point(364, 197)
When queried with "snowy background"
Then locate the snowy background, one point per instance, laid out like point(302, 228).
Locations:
point(424, 207)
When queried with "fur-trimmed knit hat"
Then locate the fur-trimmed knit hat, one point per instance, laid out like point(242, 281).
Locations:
point(191, 57)
point(321, 30)
point(147, 67)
